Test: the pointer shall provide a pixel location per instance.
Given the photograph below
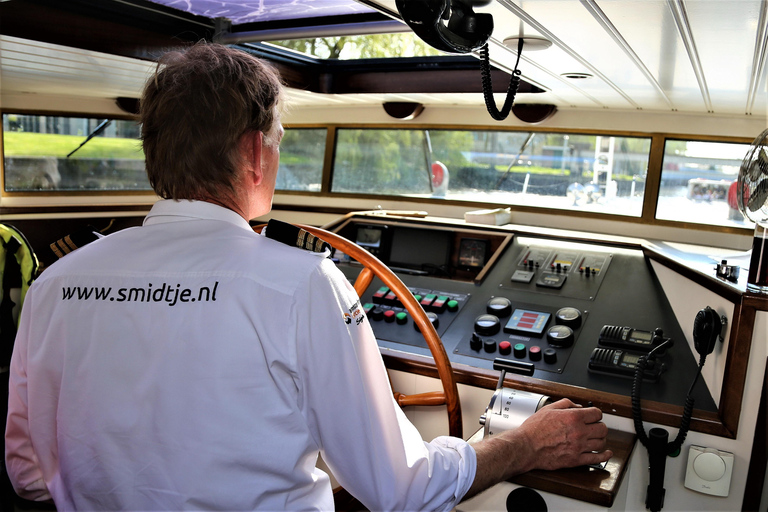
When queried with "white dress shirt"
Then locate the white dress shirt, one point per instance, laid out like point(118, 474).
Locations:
point(192, 364)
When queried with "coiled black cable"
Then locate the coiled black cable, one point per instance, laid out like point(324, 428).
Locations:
point(514, 83)
point(637, 412)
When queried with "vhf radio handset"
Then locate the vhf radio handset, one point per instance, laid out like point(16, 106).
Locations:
point(707, 329)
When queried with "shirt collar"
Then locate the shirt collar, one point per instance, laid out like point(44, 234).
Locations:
point(170, 210)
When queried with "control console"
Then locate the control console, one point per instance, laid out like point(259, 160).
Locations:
point(545, 302)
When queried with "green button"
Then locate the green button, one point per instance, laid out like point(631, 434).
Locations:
point(453, 305)
point(401, 317)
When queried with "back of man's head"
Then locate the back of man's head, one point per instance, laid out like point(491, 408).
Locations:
point(194, 110)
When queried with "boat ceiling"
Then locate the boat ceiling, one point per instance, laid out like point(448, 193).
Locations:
point(692, 56)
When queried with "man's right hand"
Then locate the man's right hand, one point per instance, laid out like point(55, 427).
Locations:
point(564, 434)
point(558, 435)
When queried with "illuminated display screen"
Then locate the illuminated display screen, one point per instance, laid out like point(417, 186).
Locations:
point(526, 321)
point(630, 358)
point(368, 237)
point(642, 335)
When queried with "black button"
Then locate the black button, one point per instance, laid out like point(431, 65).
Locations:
point(475, 342)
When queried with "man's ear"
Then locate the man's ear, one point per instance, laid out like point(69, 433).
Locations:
point(253, 143)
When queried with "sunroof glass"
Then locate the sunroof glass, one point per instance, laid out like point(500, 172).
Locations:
point(251, 11)
point(371, 46)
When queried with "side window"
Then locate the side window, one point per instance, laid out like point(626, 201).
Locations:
point(302, 152)
point(385, 162)
point(52, 153)
point(604, 174)
point(698, 182)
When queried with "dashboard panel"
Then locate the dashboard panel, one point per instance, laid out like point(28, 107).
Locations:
point(534, 299)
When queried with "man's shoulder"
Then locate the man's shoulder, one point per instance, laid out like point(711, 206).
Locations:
point(80, 253)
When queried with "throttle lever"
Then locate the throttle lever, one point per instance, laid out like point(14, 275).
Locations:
point(508, 365)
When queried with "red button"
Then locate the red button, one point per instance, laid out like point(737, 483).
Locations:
point(427, 300)
point(389, 316)
point(378, 296)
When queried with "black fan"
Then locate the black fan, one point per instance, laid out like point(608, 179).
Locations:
point(753, 203)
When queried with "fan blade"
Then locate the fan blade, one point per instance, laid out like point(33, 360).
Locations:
point(759, 166)
point(759, 196)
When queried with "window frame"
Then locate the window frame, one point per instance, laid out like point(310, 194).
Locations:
point(652, 183)
point(489, 128)
point(109, 200)
point(133, 194)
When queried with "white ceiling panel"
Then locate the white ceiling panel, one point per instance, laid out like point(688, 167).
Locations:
point(691, 56)
point(42, 68)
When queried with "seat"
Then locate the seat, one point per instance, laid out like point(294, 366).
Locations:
point(19, 267)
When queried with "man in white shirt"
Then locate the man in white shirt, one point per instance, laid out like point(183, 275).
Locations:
point(192, 364)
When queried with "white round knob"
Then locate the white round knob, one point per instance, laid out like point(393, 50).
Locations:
point(709, 466)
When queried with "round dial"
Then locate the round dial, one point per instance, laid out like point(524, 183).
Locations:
point(568, 316)
point(560, 336)
point(499, 306)
point(487, 325)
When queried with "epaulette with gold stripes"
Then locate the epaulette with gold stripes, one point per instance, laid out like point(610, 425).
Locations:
point(295, 236)
point(69, 243)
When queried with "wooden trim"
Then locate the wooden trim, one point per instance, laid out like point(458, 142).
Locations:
point(495, 256)
point(759, 458)
point(499, 240)
point(599, 487)
point(65, 113)
point(537, 129)
point(592, 485)
point(538, 210)
point(653, 178)
point(140, 209)
point(739, 347)
point(619, 405)
point(330, 155)
point(649, 203)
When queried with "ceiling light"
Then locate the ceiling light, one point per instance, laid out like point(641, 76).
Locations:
point(530, 43)
point(577, 75)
